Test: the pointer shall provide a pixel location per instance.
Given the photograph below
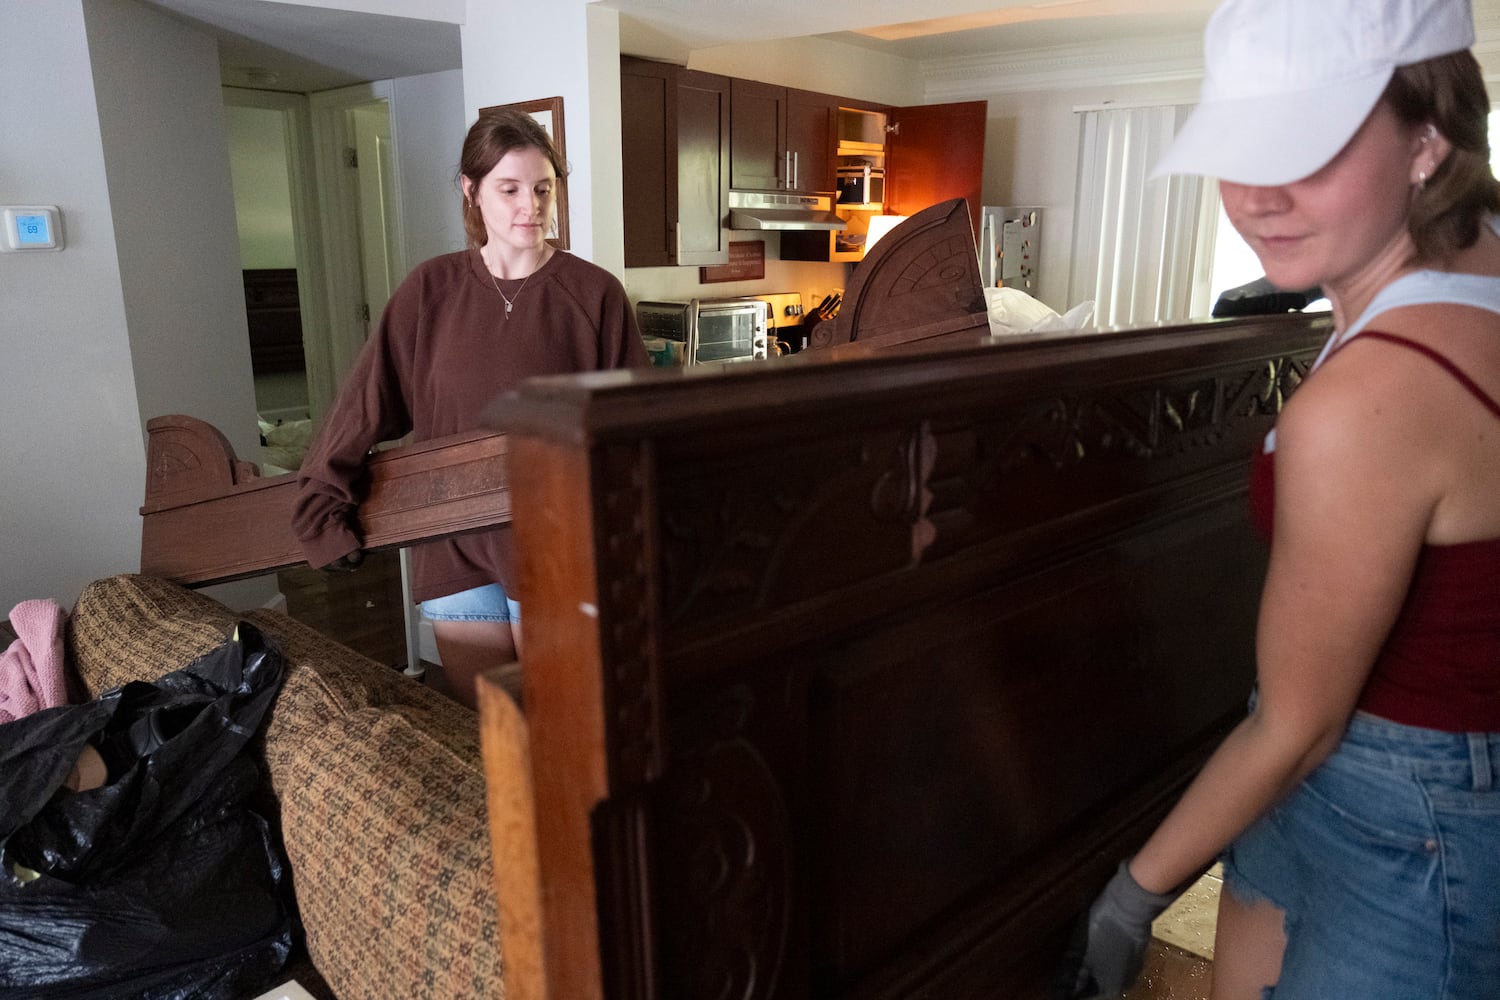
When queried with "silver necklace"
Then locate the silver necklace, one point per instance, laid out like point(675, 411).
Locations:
point(509, 302)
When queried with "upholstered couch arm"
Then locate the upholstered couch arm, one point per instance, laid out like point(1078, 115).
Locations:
point(376, 780)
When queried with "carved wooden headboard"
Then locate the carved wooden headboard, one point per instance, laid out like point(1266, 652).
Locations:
point(856, 679)
point(920, 282)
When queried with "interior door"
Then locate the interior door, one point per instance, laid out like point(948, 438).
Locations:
point(353, 142)
point(376, 208)
point(935, 152)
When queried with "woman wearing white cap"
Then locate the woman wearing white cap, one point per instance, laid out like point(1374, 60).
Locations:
point(1357, 807)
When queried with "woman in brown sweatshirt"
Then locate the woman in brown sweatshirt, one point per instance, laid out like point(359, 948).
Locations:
point(459, 330)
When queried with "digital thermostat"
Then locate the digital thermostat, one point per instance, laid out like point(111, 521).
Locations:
point(31, 227)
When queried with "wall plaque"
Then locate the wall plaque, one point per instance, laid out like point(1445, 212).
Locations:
point(747, 262)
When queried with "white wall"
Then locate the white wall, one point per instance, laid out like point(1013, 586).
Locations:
point(173, 207)
point(562, 51)
point(262, 191)
point(175, 238)
point(71, 444)
point(130, 320)
point(819, 65)
point(1031, 159)
point(428, 123)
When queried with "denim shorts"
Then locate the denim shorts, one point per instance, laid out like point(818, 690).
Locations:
point(489, 603)
point(1386, 861)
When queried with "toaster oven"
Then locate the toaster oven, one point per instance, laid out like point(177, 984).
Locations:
point(711, 330)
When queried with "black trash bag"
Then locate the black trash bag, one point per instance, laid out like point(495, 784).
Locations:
point(162, 882)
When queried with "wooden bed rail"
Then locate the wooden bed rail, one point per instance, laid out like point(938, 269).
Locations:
point(210, 517)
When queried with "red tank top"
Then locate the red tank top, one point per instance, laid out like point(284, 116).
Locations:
point(1440, 665)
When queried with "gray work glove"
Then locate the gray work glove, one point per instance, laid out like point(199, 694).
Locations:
point(1106, 959)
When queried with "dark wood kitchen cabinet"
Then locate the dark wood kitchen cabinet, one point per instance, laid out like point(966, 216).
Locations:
point(933, 152)
point(675, 164)
point(809, 138)
point(781, 138)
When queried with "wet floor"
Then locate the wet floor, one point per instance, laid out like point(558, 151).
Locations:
point(1179, 965)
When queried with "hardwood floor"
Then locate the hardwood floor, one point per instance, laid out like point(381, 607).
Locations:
point(362, 609)
point(1179, 965)
point(1172, 973)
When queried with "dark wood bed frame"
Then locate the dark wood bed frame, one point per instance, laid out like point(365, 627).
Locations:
point(854, 674)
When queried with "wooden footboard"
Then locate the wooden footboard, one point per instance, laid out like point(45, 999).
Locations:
point(209, 517)
point(856, 678)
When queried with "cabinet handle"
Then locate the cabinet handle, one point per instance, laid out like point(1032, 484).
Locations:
point(796, 171)
point(677, 239)
point(786, 169)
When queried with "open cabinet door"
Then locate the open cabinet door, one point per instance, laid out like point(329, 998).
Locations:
point(935, 152)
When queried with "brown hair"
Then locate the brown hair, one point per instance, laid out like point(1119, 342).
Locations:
point(1448, 91)
point(495, 133)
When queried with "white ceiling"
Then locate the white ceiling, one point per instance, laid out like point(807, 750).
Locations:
point(296, 47)
point(301, 48)
point(946, 28)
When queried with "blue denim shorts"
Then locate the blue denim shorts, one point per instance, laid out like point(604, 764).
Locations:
point(489, 603)
point(1386, 861)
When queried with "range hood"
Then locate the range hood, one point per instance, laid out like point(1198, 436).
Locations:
point(769, 210)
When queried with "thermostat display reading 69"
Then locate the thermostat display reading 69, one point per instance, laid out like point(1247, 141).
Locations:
point(31, 227)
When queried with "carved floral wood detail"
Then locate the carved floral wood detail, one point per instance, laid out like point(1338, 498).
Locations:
point(188, 458)
point(723, 864)
point(924, 271)
point(729, 540)
point(626, 607)
point(940, 486)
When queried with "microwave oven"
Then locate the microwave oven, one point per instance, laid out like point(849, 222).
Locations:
point(711, 330)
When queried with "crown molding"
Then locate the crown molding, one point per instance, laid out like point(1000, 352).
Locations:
point(1133, 60)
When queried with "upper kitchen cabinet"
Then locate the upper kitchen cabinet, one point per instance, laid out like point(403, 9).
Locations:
point(935, 152)
point(810, 120)
point(675, 164)
point(781, 138)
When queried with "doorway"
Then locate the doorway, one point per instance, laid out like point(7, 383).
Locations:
point(316, 191)
point(360, 214)
point(317, 209)
point(276, 218)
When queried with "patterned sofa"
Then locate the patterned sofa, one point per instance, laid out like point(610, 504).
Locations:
point(375, 783)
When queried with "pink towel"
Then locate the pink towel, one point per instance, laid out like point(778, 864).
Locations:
point(32, 675)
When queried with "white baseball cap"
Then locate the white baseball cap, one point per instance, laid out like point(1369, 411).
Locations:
point(1289, 82)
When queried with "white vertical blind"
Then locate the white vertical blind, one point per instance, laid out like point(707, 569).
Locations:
point(1142, 249)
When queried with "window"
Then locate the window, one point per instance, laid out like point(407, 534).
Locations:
point(1235, 264)
point(1142, 249)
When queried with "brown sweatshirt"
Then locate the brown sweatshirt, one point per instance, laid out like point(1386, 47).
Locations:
point(444, 349)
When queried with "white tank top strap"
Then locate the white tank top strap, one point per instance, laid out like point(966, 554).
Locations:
point(1421, 288)
point(1417, 288)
